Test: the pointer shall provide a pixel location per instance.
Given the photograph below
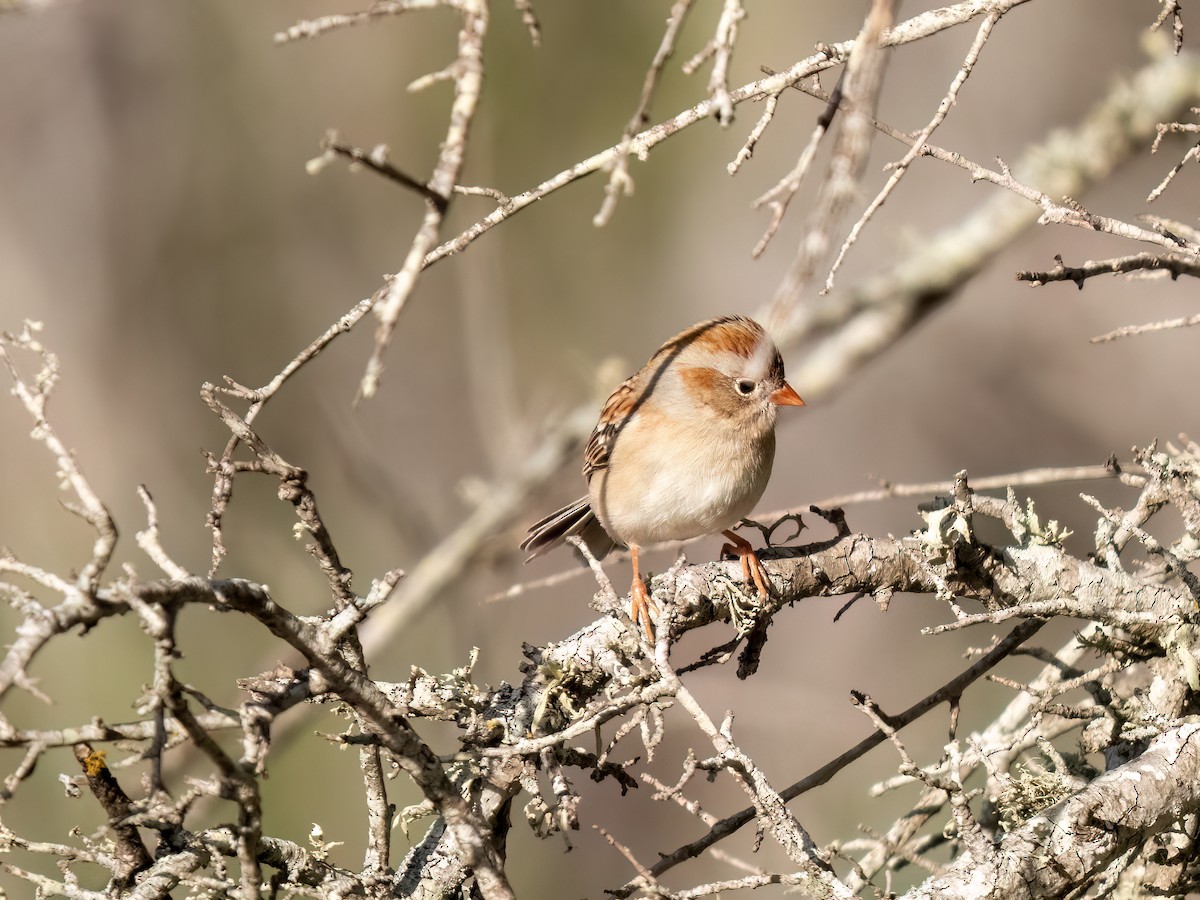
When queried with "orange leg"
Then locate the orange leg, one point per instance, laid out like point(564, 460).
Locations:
point(752, 570)
point(642, 602)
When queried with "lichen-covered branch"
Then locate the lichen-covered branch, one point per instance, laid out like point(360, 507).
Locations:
point(1069, 844)
point(1090, 773)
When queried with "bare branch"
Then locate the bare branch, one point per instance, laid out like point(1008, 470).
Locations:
point(1129, 330)
point(468, 81)
point(857, 325)
point(619, 180)
point(899, 168)
point(916, 28)
point(311, 28)
point(34, 397)
point(1068, 845)
point(1171, 10)
point(863, 82)
point(1173, 263)
point(953, 688)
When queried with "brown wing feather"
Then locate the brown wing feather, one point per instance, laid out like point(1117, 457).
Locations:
point(612, 418)
point(626, 398)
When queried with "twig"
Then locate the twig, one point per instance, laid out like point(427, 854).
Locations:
point(224, 468)
point(1069, 212)
point(33, 753)
point(769, 805)
point(294, 489)
point(853, 327)
point(149, 541)
point(863, 82)
point(896, 842)
point(665, 792)
point(468, 81)
point(899, 168)
point(748, 883)
point(645, 879)
point(718, 83)
point(311, 28)
point(1174, 264)
point(377, 161)
point(530, 20)
point(1171, 10)
point(619, 180)
point(1193, 153)
point(916, 28)
point(397, 736)
point(240, 785)
point(953, 688)
point(780, 196)
point(34, 398)
point(755, 135)
point(131, 855)
point(1130, 330)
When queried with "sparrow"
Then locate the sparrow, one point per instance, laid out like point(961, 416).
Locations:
point(682, 449)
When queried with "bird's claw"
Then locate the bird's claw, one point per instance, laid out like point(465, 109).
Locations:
point(753, 572)
point(641, 603)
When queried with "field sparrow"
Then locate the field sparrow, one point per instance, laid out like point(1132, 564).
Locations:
point(682, 449)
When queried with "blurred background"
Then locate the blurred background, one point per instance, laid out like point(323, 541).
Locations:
point(156, 216)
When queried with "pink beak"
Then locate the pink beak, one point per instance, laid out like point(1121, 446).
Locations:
point(786, 396)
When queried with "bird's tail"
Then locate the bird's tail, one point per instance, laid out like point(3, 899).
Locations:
point(575, 518)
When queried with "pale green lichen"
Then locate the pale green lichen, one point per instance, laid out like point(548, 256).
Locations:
point(320, 846)
point(410, 814)
point(945, 527)
point(1028, 528)
point(558, 678)
point(744, 607)
point(1031, 788)
point(1180, 642)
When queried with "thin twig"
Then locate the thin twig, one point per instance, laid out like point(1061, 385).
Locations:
point(619, 180)
point(1171, 10)
point(311, 28)
point(1193, 153)
point(916, 28)
point(1163, 263)
point(468, 82)
point(863, 82)
point(953, 688)
point(1129, 330)
point(899, 168)
point(34, 398)
point(724, 39)
point(377, 162)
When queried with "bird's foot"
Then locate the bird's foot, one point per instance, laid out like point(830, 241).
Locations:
point(752, 568)
point(641, 605)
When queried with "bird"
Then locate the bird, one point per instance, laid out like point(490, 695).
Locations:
point(682, 449)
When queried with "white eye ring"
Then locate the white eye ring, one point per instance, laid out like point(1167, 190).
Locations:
point(744, 386)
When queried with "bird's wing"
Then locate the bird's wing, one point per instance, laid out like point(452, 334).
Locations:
point(617, 409)
point(626, 399)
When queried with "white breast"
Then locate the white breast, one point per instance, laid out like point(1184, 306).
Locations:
point(700, 482)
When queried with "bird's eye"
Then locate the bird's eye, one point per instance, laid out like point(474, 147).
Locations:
point(744, 386)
